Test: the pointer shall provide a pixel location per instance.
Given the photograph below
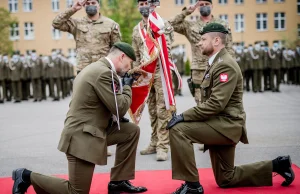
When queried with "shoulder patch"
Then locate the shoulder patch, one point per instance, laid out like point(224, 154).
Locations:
point(223, 77)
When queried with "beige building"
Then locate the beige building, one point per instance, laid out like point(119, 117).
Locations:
point(250, 21)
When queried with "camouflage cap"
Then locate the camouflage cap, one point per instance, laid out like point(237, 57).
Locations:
point(213, 27)
point(126, 48)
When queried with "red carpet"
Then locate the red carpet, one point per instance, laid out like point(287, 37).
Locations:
point(160, 182)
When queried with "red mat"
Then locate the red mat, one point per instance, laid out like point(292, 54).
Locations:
point(160, 182)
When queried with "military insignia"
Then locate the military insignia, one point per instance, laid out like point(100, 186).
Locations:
point(115, 87)
point(220, 60)
point(223, 77)
point(207, 76)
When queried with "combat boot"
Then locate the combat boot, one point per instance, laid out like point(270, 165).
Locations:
point(149, 150)
point(283, 166)
point(185, 189)
point(161, 155)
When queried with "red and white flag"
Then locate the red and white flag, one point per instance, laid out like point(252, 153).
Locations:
point(155, 51)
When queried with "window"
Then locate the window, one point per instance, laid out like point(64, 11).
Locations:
point(55, 5)
point(279, 21)
point(70, 36)
point(224, 17)
point(261, 21)
point(194, 17)
point(239, 22)
point(222, 2)
point(279, 1)
point(193, 2)
point(72, 53)
point(179, 2)
point(56, 34)
point(29, 31)
point(298, 7)
point(239, 1)
point(261, 1)
point(14, 32)
point(298, 30)
point(13, 5)
point(69, 3)
point(27, 5)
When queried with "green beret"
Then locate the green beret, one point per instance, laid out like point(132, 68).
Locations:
point(213, 27)
point(126, 48)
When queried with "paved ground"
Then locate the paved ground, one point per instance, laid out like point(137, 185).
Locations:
point(29, 133)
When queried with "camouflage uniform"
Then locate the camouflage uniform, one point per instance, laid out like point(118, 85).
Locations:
point(179, 61)
point(159, 116)
point(191, 29)
point(93, 38)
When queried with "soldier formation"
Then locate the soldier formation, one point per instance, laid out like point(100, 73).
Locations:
point(267, 67)
point(27, 76)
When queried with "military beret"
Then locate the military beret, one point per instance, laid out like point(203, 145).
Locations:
point(126, 48)
point(207, 0)
point(213, 27)
point(33, 51)
point(141, 0)
point(16, 52)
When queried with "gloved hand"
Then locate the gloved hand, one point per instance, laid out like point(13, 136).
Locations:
point(124, 120)
point(175, 119)
point(127, 80)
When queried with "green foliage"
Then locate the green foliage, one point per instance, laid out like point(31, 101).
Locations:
point(6, 21)
point(187, 71)
point(125, 13)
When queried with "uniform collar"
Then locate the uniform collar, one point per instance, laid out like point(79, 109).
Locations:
point(212, 58)
point(111, 64)
point(99, 21)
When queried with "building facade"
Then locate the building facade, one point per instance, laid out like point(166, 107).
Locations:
point(250, 21)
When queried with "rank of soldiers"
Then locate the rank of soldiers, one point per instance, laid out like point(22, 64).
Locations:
point(38, 77)
point(267, 68)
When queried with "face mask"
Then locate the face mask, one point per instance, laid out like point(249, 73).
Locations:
point(22, 59)
point(91, 10)
point(145, 11)
point(245, 50)
point(33, 56)
point(257, 47)
point(250, 48)
point(15, 58)
point(205, 11)
point(5, 59)
point(239, 51)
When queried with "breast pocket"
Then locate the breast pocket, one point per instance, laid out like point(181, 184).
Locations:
point(205, 88)
point(82, 33)
point(102, 35)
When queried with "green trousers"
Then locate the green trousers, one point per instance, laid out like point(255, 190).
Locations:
point(222, 153)
point(17, 90)
point(81, 172)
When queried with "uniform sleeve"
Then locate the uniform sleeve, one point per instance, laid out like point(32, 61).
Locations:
point(179, 23)
point(169, 33)
point(64, 22)
point(115, 34)
point(135, 47)
point(220, 95)
point(104, 90)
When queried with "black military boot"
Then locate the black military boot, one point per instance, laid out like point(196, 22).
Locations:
point(282, 165)
point(21, 177)
point(117, 187)
point(185, 189)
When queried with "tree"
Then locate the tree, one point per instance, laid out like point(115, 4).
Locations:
point(6, 45)
point(125, 13)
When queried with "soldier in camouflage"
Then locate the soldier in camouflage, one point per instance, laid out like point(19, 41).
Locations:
point(159, 116)
point(94, 34)
point(191, 29)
